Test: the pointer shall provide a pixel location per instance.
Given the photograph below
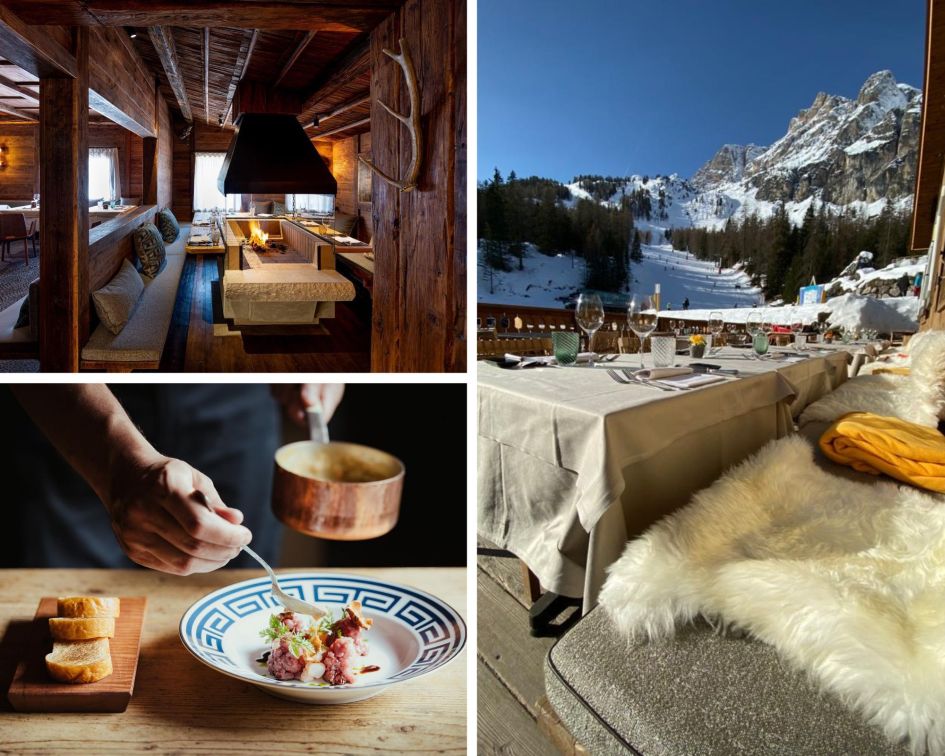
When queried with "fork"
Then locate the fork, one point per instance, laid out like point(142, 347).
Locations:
point(613, 374)
point(289, 602)
point(645, 382)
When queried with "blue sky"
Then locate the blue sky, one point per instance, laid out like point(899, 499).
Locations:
point(657, 87)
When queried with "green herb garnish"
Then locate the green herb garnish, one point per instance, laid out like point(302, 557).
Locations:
point(275, 630)
point(297, 644)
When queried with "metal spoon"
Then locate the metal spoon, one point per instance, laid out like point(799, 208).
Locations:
point(289, 602)
point(317, 427)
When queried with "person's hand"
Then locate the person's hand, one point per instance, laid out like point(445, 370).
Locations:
point(298, 397)
point(161, 522)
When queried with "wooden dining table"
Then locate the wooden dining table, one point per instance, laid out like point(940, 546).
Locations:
point(182, 706)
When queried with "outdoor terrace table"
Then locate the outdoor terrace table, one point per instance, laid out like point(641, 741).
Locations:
point(572, 464)
point(181, 706)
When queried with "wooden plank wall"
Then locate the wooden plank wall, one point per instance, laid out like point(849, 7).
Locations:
point(111, 243)
point(19, 179)
point(122, 85)
point(165, 157)
point(419, 318)
point(344, 166)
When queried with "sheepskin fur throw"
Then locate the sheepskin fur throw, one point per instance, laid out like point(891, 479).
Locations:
point(845, 579)
point(918, 397)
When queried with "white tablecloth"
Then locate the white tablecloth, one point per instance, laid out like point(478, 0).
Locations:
point(571, 463)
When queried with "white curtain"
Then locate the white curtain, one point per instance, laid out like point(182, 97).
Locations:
point(316, 203)
point(207, 167)
point(104, 178)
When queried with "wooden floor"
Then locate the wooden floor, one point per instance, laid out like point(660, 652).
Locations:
point(200, 340)
point(509, 668)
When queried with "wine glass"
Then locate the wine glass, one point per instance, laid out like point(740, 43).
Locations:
point(589, 314)
point(716, 324)
point(797, 328)
point(641, 317)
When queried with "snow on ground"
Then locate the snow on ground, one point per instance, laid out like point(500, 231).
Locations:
point(849, 310)
point(545, 281)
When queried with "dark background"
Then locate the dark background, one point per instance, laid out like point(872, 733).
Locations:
point(424, 425)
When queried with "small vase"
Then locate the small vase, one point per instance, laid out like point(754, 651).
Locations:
point(697, 350)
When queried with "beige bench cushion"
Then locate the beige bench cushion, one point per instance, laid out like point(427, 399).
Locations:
point(142, 339)
point(9, 334)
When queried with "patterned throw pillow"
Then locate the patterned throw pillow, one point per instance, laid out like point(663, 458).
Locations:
point(168, 225)
point(278, 208)
point(149, 249)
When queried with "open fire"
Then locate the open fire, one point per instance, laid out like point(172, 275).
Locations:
point(259, 238)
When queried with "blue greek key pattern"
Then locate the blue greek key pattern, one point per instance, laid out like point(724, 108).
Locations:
point(440, 631)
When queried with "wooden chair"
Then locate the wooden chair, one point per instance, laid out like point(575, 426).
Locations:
point(13, 228)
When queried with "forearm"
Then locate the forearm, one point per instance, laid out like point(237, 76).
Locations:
point(89, 427)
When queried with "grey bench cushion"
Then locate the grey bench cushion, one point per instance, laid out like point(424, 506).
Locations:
point(700, 694)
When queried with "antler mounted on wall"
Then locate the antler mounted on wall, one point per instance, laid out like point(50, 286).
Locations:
point(411, 121)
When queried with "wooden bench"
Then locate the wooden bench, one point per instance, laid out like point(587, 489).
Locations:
point(141, 342)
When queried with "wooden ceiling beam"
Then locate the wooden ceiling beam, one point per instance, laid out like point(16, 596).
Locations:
point(162, 37)
point(32, 50)
point(354, 62)
point(307, 15)
point(344, 107)
point(20, 89)
point(300, 48)
point(239, 70)
point(346, 127)
point(206, 72)
point(16, 112)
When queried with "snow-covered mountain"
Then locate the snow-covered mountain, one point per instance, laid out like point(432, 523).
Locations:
point(846, 153)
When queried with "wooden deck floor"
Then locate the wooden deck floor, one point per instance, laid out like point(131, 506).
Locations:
point(509, 668)
point(199, 339)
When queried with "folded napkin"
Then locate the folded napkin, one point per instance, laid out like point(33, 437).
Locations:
point(543, 360)
point(683, 377)
point(902, 450)
point(347, 240)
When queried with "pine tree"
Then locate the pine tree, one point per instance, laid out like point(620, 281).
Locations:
point(636, 252)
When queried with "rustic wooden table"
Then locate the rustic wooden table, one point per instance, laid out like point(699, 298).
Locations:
point(182, 706)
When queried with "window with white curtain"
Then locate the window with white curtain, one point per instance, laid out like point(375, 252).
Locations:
point(316, 203)
point(104, 179)
point(207, 167)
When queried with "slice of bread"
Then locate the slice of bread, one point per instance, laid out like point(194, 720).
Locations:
point(88, 606)
point(82, 661)
point(81, 628)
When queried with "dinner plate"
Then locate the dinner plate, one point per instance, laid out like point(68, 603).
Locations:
point(413, 633)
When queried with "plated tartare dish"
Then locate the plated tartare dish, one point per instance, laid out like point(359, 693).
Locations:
point(322, 652)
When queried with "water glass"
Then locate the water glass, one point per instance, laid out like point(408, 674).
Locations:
point(664, 350)
point(760, 343)
point(565, 346)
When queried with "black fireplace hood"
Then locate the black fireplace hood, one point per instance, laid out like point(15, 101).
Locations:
point(270, 154)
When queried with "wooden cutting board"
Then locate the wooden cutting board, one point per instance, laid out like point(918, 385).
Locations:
point(33, 690)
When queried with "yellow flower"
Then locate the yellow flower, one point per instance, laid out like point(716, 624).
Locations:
point(697, 338)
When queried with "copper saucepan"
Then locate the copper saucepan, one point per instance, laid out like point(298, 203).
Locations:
point(340, 491)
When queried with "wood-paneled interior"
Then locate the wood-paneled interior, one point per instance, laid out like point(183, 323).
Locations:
point(19, 178)
point(122, 85)
point(419, 306)
point(110, 243)
point(165, 154)
point(345, 170)
point(129, 154)
point(64, 214)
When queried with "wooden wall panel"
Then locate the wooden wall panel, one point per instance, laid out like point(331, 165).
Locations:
point(122, 85)
point(20, 178)
point(419, 319)
point(344, 167)
point(111, 243)
point(165, 158)
point(182, 192)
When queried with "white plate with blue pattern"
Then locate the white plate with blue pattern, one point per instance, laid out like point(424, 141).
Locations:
point(413, 634)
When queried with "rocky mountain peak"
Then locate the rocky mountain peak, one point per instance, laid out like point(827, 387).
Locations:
point(728, 164)
point(881, 88)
